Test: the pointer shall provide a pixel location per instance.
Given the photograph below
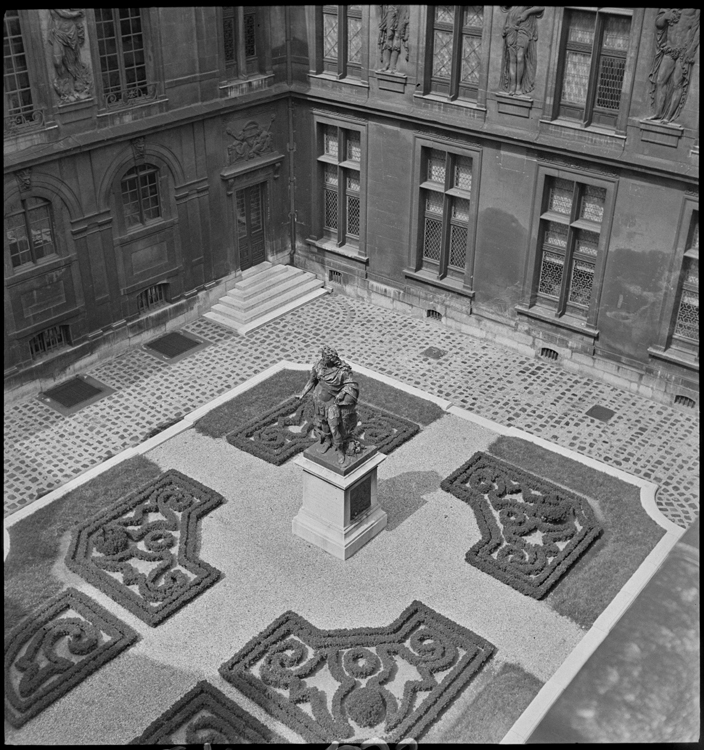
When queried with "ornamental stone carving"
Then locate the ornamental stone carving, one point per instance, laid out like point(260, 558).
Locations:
point(24, 179)
point(250, 142)
point(676, 43)
point(139, 148)
point(520, 35)
point(393, 35)
point(72, 80)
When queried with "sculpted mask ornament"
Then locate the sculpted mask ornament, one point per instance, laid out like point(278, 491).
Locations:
point(335, 395)
point(72, 80)
point(676, 44)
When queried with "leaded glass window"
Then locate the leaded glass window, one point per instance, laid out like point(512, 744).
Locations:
point(340, 163)
point(29, 232)
point(687, 320)
point(240, 33)
point(17, 86)
point(446, 198)
point(342, 39)
point(456, 67)
point(570, 207)
point(593, 66)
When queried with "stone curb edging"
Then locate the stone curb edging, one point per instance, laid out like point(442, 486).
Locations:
point(552, 689)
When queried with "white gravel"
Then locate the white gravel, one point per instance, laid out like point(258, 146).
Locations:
point(267, 570)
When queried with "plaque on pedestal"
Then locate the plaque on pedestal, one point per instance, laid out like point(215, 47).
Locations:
point(340, 512)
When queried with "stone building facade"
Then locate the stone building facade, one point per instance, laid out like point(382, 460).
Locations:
point(529, 174)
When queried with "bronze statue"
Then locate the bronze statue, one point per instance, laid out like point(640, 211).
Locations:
point(335, 399)
point(520, 35)
point(676, 43)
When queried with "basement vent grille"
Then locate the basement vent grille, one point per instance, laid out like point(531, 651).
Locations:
point(335, 276)
point(433, 315)
point(75, 393)
point(175, 346)
point(685, 401)
point(546, 353)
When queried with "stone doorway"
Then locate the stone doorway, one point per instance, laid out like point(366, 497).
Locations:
point(250, 207)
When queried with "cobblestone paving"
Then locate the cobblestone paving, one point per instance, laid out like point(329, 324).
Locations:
point(44, 449)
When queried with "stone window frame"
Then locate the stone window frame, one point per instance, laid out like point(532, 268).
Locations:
point(556, 109)
point(540, 306)
point(28, 118)
point(59, 336)
point(454, 90)
point(24, 210)
point(442, 271)
point(247, 25)
point(148, 91)
point(339, 65)
point(339, 238)
point(668, 344)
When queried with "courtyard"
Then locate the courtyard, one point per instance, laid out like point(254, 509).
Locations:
point(485, 393)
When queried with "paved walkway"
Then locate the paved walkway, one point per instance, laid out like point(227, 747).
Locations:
point(44, 449)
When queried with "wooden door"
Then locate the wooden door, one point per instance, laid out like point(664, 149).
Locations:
point(250, 225)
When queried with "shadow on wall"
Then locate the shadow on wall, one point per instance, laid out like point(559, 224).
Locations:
point(400, 497)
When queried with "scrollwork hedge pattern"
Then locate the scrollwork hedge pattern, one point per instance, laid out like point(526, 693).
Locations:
point(532, 530)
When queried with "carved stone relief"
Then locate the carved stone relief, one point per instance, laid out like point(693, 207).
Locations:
point(139, 148)
point(251, 141)
point(520, 58)
point(72, 78)
point(676, 43)
point(393, 36)
point(24, 179)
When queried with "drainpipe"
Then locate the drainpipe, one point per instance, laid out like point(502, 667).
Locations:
point(291, 145)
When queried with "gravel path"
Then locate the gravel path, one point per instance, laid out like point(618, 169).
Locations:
point(267, 570)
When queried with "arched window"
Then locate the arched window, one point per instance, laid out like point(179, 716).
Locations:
point(140, 195)
point(29, 232)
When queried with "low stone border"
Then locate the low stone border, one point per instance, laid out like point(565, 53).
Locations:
point(358, 663)
point(206, 715)
point(30, 649)
point(108, 543)
point(510, 505)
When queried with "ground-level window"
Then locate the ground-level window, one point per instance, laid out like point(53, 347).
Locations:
point(49, 340)
point(340, 164)
point(445, 200)
point(686, 326)
point(570, 245)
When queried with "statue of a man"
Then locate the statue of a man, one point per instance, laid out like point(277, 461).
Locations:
point(335, 399)
point(520, 34)
point(393, 34)
point(676, 42)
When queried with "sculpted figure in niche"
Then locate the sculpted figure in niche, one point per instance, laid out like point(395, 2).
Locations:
point(335, 400)
point(393, 35)
point(67, 36)
point(520, 35)
point(676, 43)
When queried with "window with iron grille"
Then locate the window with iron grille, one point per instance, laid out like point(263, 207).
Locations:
point(239, 35)
point(592, 66)
point(687, 318)
point(140, 195)
point(570, 235)
point(123, 57)
point(49, 340)
point(340, 165)
point(20, 112)
point(152, 297)
point(29, 232)
point(342, 40)
point(456, 50)
point(446, 193)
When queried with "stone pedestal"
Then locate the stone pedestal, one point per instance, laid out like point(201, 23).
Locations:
point(340, 513)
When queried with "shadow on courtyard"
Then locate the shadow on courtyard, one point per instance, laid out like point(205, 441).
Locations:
point(402, 496)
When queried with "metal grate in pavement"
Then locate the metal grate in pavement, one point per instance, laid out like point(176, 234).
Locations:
point(601, 413)
point(175, 346)
point(74, 394)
